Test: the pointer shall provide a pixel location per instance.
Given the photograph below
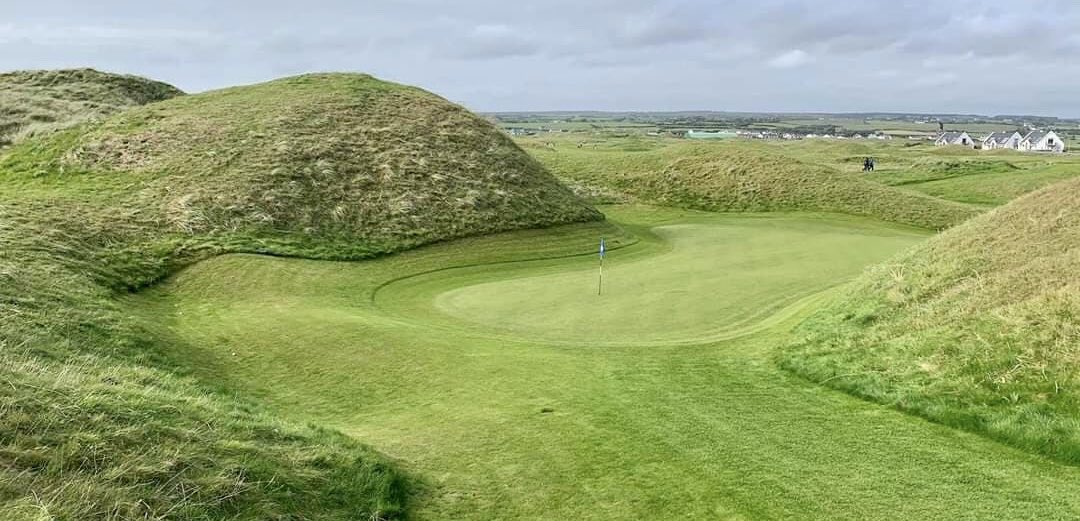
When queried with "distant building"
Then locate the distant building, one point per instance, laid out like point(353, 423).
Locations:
point(719, 134)
point(1002, 140)
point(954, 138)
point(1042, 141)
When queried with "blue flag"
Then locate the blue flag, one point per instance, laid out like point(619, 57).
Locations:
point(602, 248)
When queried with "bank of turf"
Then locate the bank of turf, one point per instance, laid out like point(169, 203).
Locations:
point(736, 176)
point(976, 329)
point(37, 102)
point(95, 423)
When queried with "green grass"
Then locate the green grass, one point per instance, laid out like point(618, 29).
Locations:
point(97, 421)
point(39, 102)
point(997, 186)
point(493, 423)
point(817, 175)
point(976, 177)
point(734, 175)
point(486, 376)
point(755, 266)
point(975, 329)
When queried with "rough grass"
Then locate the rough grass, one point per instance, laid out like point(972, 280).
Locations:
point(976, 329)
point(95, 421)
point(735, 175)
point(38, 102)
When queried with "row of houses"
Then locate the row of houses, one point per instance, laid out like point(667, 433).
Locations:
point(1034, 141)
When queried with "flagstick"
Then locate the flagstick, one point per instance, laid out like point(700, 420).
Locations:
point(600, 282)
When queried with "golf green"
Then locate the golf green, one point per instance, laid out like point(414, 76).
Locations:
point(720, 277)
point(493, 374)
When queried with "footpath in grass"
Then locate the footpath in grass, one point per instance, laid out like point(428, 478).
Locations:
point(494, 424)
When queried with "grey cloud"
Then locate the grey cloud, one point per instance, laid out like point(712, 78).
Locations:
point(492, 42)
point(915, 55)
point(676, 25)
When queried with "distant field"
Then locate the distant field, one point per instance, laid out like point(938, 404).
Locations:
point(896, 126)
point(578, 126)
point(739, 175)
point(640, 123)
point(612, 168)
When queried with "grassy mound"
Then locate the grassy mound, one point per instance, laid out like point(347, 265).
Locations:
point(98, 422)
point(738, 176)
point(976, 329)
point(373, 166)
point(36, 102)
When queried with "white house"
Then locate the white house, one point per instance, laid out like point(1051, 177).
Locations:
point(999, 140)
point(1042, 141)
point(955, 138)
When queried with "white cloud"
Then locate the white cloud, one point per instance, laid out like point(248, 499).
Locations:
point(792, 58)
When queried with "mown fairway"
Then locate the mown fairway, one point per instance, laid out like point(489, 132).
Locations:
point(509, 390)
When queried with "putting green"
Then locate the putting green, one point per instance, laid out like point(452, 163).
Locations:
point(721, 276)
point(430, 356)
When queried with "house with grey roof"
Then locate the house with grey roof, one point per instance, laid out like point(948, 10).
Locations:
point(1002, 140)
point(954, 138)
point(1042, 141)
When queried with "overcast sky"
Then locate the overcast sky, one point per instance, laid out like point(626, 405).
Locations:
point(753, 55)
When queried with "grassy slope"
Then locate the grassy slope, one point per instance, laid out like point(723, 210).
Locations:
point(976, 329)
point(704, 431)
point(808, 174)
point(96, 422)
point(735, 176)
point(37, 102)
point(977, 177)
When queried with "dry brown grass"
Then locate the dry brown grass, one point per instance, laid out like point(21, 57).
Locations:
point(40, 102)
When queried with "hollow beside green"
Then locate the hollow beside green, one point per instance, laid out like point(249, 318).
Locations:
point(496, 424)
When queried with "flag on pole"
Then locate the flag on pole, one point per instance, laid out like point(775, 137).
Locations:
point(600, 280)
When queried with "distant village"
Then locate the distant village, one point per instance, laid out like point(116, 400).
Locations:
point(1033, 141)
